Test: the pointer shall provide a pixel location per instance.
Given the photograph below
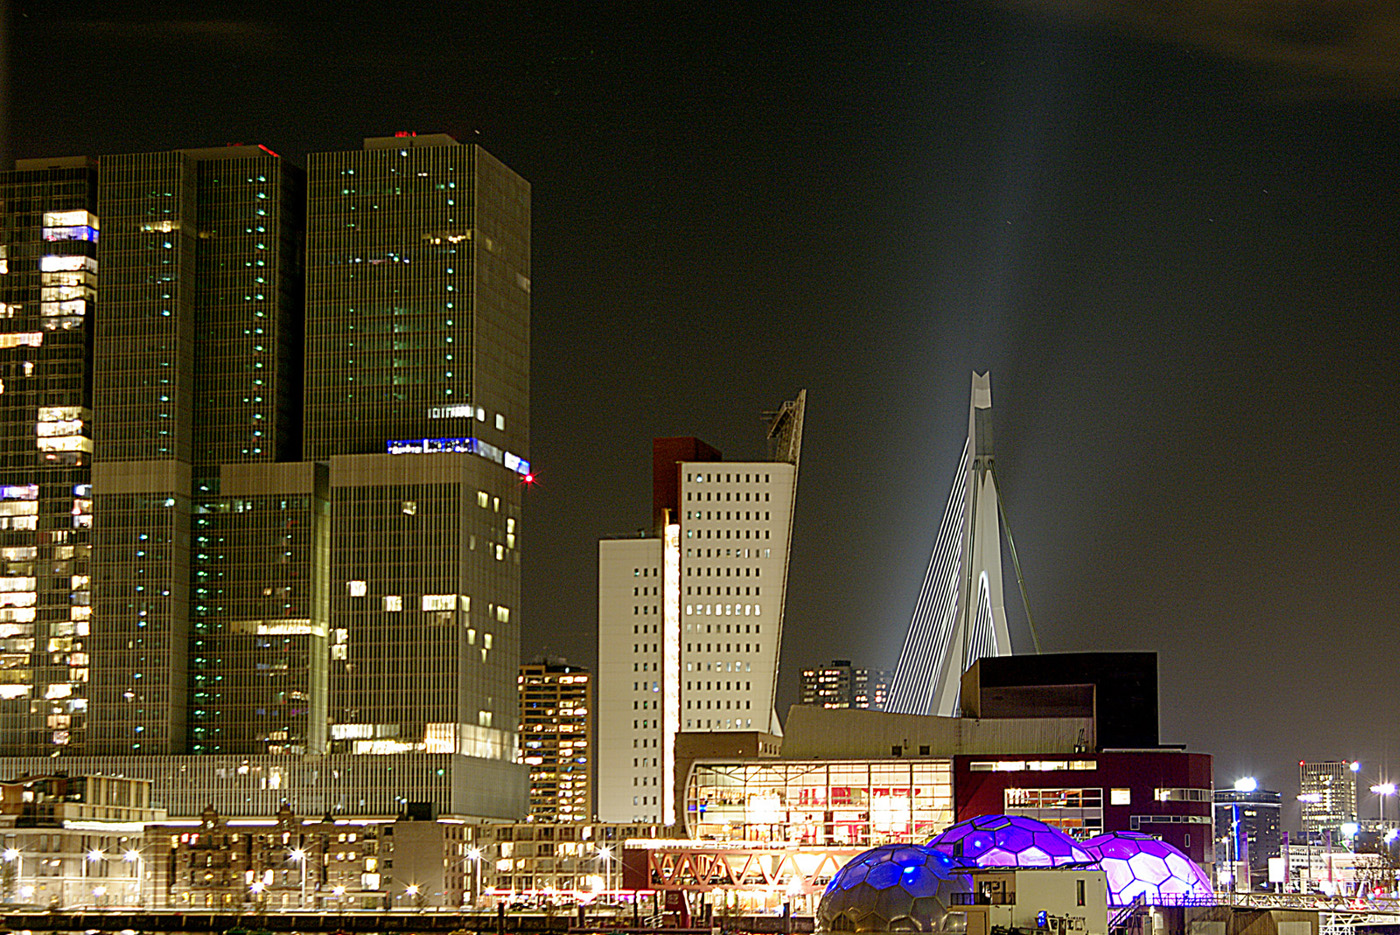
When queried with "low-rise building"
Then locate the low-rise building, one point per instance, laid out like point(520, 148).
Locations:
point(534, 860)
point(69, 841)
point(289, 862)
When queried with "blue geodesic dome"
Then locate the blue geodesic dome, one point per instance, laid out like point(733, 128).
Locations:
point(893, 887)
point(1009, 841)
point(1141, 865)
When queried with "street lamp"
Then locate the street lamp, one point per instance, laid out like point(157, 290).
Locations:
point(299, 855)
point(133, 856)
point(91, 857)
point(15, 869)
point(606, 854)
point(474, 855)
point(1381, 790)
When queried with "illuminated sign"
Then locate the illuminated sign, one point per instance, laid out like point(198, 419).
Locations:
point(83, 232)
point(471, 446)
point(19, 492)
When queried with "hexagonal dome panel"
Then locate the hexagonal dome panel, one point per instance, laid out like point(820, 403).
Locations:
point(895, 886)
point(1141, 865)
point(1009, 841)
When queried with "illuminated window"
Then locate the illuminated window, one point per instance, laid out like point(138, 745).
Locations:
point(356, 588)
point(410, 507)
point(393, 602)
point(439, 601)
point(1120, 797)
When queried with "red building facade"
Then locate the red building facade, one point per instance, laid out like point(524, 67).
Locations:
point(1165, 793)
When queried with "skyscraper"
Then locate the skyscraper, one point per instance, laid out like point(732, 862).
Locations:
point(307, 480)
point(1327, 793)
point(194, 367)
point(690, 617)
point(556, 740)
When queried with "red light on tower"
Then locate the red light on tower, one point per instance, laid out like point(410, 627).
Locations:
point(529, 478)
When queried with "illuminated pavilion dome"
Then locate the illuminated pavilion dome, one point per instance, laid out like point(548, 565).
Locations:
point(1139, 864)
point(1009, 841)
point(893, 887)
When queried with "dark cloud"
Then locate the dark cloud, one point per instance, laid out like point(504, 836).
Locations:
point(1342, 48)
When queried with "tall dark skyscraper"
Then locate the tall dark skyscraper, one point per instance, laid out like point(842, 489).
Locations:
point(311, 400)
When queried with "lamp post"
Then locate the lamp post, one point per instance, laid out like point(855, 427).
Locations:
point(91, 857)
point(474, 855)
point(14, 867)
point(606, 854)
point(133, 856)
point(1381, 790)
point(299, 855)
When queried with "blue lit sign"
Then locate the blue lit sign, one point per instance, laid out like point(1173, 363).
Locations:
point(471, 446)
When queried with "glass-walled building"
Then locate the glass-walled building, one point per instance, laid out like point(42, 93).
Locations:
point(819, 802)
point(306, 476)
point(48, 286)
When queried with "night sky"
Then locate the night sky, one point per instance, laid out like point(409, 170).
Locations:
point(1169, 229)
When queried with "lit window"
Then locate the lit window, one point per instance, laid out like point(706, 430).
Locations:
point(1120, 797)
point(439, 602)
point(410, 507)
point(356, 588)
point(393, 602)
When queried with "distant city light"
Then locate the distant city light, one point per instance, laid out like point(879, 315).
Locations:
point(1356, 766)
point(1247, 784)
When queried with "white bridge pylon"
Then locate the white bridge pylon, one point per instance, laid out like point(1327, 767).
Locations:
point(960, 616)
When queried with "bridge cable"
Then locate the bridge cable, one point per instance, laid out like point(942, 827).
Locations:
point(1015, 562)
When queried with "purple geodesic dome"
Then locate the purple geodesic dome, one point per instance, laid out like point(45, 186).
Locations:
point(1009, 841)
point(893, 887)
point(1140, 865)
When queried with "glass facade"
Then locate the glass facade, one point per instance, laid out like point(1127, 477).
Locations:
point(817, 802)
point(48, 278)
point(425, 599)
point(248, 305)
point(195, 367)
point(418, 265)
point(258, 643)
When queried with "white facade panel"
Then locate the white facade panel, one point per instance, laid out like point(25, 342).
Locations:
point(736, 524)
point(629, 688)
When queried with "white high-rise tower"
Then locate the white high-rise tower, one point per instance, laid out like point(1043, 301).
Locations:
point(690, 618)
